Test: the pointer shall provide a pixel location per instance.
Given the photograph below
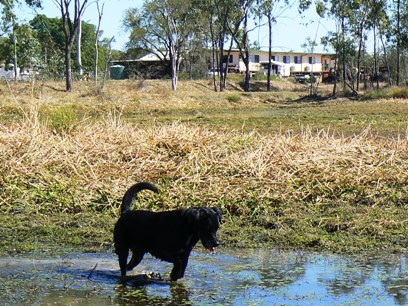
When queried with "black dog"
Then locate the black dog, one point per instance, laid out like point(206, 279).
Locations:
point(169, 235)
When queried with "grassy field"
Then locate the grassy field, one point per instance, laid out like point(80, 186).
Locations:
point(287, 171)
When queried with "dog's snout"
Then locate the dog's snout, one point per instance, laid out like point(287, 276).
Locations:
point(216, 242)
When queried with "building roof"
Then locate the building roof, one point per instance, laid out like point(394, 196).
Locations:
point(150, 57)
point(283, 51)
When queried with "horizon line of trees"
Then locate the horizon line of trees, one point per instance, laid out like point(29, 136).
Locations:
point(178, 30)
point(60, 48)
point(180, 33)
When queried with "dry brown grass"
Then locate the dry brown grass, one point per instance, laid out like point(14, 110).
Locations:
point(141, 96)
point(308, 188)
point(333, 183)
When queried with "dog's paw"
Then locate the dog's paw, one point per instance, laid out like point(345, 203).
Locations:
point(154, 275)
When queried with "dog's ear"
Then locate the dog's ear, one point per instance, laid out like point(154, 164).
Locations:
point(218, 212)
point(193, 216)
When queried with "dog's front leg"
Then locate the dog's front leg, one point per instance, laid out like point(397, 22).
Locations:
point(177, 270)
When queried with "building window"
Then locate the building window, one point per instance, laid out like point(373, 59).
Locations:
point(254, 58)
point(226, 59)
point(275, 58)
point(312, 60)
point(298, 59)
point(286, 59)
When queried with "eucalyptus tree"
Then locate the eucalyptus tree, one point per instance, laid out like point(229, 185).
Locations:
point(344, 42)
point(100, 14)
point(404, 23)
point(240, 31)
point(50, 34)
point(380, 20)
point(266, 8)
point(272, 10)
point(10, 22)
point(164, 28)
point(360, 23)
point(28, 49)
point(404, 26)
point(71, 12)
point(218, 14)
point(367, 15)
point(400, 16)
point(398, 38)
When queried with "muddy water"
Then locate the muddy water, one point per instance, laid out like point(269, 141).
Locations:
point(230, 277)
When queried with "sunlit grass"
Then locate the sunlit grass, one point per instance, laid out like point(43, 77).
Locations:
point(303, 185)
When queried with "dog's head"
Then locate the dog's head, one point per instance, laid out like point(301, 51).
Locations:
point(206, 222)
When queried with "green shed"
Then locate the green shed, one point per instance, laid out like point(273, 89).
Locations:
point(117, 72)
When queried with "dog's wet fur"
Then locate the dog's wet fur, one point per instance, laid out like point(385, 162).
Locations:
point(168, 235)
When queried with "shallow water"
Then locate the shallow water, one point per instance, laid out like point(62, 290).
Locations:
point(230, 277)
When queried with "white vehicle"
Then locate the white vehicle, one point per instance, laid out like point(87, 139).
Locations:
point(7, 72)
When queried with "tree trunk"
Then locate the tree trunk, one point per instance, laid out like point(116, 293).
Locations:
point(386, 60)
point(359, 58)
point(398, 41)
point(174, 72)
point(100, 13)
point(15, 54)
point(268, 85)
point(246, 57)
point(334, 94)
point(79, 50)
point(344, 55)
point(68, 73)
point(221, 62)
point(247, 71)
point(105, 72)
point(375, 58)
point(96, 60)
point(214, 57)
point(224, 81)
point(213, 66)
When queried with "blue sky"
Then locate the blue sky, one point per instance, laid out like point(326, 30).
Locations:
point(290, 31)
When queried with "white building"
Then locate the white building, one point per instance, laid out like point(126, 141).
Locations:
point(283, 63)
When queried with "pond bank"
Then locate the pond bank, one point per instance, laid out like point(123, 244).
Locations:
point(230, 277)
point(93, 232)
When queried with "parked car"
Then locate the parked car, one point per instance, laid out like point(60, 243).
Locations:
point(213, 71)
point(307, 78)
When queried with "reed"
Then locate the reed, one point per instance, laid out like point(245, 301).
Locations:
point(314, 188)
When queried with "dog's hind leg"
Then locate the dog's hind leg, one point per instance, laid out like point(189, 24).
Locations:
point(123, 256)
point(137, 257)
point(179, 268)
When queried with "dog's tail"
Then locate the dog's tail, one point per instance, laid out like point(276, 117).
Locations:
point(131, 193)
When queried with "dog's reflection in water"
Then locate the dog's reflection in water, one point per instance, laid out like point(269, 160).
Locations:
point(151, 289)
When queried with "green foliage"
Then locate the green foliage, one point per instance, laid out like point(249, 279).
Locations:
point(62, 120)
point(233, 98)
point(28, 47)
point(168, 29)
point(41, 43)
point(387, 93)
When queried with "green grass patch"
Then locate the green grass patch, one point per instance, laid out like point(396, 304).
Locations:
point(323, 175)
point(387, 93)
